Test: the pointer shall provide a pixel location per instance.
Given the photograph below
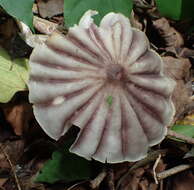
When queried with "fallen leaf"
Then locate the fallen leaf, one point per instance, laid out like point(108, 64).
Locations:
point(44, 26)
point(13, 76)
point(132, 182)
point(179, 70)
point(18, 117)
point(8, 30)
point(183, 181)
point(185, 52)
point(188, 120)
point(10, 39)
point(6, 131)
point(4, 164)
point(2, 182)
point(49, 8)
point(153, 186)
point(171, 36)
point(31, 39)
point(14, 150)
point(135, 21)
point(143, 185)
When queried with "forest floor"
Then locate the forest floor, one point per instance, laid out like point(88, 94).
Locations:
point(25, 148)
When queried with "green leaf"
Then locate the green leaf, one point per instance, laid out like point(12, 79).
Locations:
point(64, 166)
point(176, 9)
point(74, 9)
point(20, 9)
point(187, 130)
point(13, 76)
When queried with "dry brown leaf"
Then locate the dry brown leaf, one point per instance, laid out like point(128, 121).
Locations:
point(2, 182)
point(171, 36)
point(179, 70)
point(49, 8)
point(8, 30)
point(188, 120)
point(135, 21)
point(18, 116)
point(186, 52)
point(183, 181)
point(14, 150)
point(143, 185)
point(6, 131)
point(153, 186)
point(44, 26)
point(134, 180)
point(3, 161)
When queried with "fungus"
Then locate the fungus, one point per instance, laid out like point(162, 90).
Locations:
point(108, 82)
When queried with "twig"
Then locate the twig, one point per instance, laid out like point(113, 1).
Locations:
point(188, 140)
point(155, 166)
point(161, 185)
point(12, 167)
point(150, 158)
point(172, 171)
point(97, 181)
point(75, 185)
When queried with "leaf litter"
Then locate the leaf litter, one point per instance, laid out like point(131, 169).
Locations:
point(22, 134)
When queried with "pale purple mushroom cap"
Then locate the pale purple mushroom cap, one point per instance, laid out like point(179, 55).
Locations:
point(108, 82)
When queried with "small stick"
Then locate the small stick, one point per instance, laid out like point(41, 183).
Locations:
point(75, 185)
point(12, 167)
point(150, 158)
point(97, 181)
point(172, 171)
point(155, 166)
point(188, 140)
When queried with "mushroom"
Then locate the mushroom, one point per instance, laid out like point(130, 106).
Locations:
point(108, 82)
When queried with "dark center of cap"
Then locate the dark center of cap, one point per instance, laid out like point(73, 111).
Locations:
point(115, 72)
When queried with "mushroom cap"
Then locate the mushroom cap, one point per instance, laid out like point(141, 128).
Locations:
point(108, 82)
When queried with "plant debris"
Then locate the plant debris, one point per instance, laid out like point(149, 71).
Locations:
point(28, 154)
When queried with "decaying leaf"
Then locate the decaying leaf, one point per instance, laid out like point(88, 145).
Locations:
point(108, 82)
point(18, 116)
point(188, 120)
point(31, 39)
point(171, 36)
point(14, 149)
point(179, 70)
point(182, 181)
point(44, 26)
point(49, 8)
point(8, 30)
